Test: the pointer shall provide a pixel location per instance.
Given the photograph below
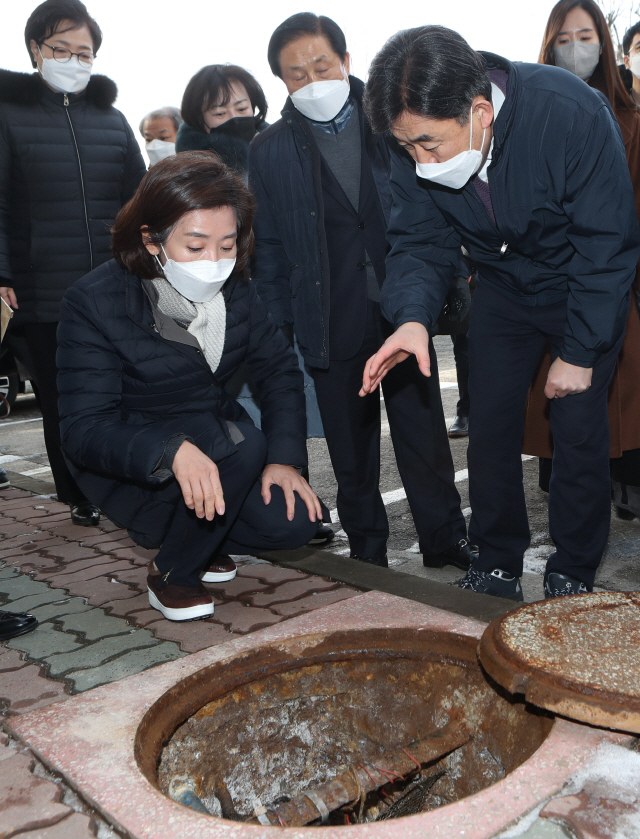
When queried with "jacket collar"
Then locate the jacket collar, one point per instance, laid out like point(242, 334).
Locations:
point(514, 84)
point(29, 89)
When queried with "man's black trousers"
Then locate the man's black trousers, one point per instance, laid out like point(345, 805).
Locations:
point(506, 343)
point(416, 421)
point(160, 518)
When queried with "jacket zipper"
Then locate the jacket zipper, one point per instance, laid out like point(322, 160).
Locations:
point(84, 197)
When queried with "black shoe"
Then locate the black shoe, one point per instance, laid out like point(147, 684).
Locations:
point(13, 624)
point(459, 428)
point(324, 534)
point(382, 561)
point(621, 513)
point(461, 555)
point(4, 479)
point(86, 515)
point(560, 585)
point(497, 583)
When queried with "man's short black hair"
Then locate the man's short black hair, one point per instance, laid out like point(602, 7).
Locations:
point(629, 35)
point(430, 71)
point(296, 26)
point(45, 19)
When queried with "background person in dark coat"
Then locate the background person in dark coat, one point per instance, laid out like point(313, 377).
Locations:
point(68, 162)
point(630, 69)
point(321, 181)
point(223, 108)
point(146, 345)
point(540, 196)
point(569, 21)
point(159, 129)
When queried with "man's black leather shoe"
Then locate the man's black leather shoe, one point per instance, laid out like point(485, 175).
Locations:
point(86, 515)
point(459, 427)
point(13, 624)
point(382, 561)
point(560, 585)
point(496, 583)
point(462, 554)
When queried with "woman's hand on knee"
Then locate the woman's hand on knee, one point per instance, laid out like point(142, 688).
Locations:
point(290, 482)
point(199, 481)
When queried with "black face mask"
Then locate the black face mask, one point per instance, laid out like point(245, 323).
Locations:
point(242, 128)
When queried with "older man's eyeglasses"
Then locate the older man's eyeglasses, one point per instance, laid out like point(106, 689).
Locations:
point(64, 55)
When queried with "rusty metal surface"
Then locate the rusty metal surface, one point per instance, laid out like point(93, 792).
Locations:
point(352, 784)
point(262, 729)
point(578, 656)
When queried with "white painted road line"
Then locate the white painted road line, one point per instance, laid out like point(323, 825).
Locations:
point(395, 495)
point(3, 424)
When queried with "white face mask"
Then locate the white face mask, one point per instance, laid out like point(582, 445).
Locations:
point(634, 65)
point(70, 77)
point(578, 58)
point(456, 172)
point(198, 281)
point(158, 150)
point(321, 101)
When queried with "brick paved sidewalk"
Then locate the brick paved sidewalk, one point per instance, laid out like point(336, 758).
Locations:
point(87, 587)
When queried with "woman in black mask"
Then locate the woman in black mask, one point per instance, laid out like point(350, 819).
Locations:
point(223, 108)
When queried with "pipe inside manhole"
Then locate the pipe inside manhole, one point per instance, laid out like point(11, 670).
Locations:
point(343, 728)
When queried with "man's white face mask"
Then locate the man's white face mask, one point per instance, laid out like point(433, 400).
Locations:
point(321, 101)
point(457, 171)
point(158, 150)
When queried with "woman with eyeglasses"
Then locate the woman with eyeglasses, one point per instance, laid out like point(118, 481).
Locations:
point(68, 163)
point(577, 39)
point(223, 108)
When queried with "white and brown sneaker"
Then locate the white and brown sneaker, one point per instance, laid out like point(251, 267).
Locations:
point(177, 603)
point(221, 569)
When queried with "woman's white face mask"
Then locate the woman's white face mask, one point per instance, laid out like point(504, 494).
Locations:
point(198, 281)
point(70, 77)
point(457, 171)
point(578, 58)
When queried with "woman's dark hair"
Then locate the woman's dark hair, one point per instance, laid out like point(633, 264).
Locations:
point(191, 180)
point(606, 77)
point(296, 26)
point(212, 86)
point(46, 18)
point(430, 71)
point(629, 35)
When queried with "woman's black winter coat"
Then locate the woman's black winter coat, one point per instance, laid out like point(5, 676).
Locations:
point(65, 172)
point(125, 390)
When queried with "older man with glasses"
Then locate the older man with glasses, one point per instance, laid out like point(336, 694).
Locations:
point(68, 163)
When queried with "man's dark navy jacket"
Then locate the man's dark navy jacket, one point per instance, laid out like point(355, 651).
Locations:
point(563, 205)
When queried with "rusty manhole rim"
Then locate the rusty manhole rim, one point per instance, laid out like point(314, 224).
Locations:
point(189, 695)
point(553, 691)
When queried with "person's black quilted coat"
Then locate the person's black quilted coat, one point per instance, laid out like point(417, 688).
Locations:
point(125, 391)
point(65, 172)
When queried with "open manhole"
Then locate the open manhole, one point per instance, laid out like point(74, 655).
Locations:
point(341, 729)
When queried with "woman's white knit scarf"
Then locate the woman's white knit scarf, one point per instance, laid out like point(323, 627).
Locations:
point(207, 321)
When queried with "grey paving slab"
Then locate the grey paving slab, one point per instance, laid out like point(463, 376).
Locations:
point(26, 604)
point(540, 829)
point(59, 608)
point(96, 655)
point(21, 585)
point(6, 573)
point(44, 642)
point(125, 665)
point(94, 624)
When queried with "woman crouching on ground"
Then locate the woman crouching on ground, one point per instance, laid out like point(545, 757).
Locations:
point(147, 342)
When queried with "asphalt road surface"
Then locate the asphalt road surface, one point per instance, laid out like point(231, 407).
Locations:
point(22, 451)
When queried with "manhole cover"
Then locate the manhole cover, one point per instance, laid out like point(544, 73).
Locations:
point(578, 656)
